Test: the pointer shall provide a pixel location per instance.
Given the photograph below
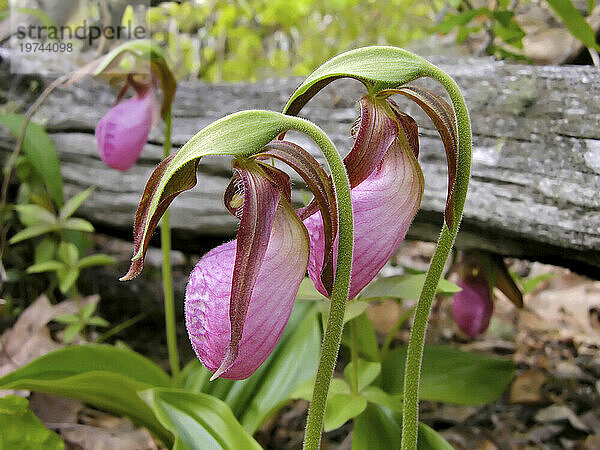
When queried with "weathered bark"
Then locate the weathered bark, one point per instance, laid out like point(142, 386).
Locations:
point(536, 165)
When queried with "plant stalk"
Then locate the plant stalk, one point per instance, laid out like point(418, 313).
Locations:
point(414, 356)
point(167, 274)
point(332, 336)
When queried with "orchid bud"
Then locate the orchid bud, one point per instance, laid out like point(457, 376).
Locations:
point(123, 131)
point(472, 307)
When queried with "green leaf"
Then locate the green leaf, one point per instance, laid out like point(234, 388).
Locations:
point(40, 151)
point(341, 408)
point(292, 363)
point(77, 224)
point(377, 66)
point(510, 32)
point(66, 279)
point(377, 428)
point(74, 203)
point(44, 250)
point(200, 421)
point(32, 214)
point(450, 375)
point(80, 359)
point(88, 310)
point(431, 439)
point(33, 231)
point(575, 22)
point(378, 396)
point(367, 372)
point(71, 331)
point(40, 15)
point(21, 429)
point(96, 260)
point(529, 284)
point(68, 253)
point(367, 339)
point(354, 308)
point(308, 291)
point(48, 266)
point(305, 390)
point(460, 20)
point(67, 318)
point(407, 286)
point(104, 376)
point(98, 321)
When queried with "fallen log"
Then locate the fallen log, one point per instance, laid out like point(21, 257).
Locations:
point(536, 156)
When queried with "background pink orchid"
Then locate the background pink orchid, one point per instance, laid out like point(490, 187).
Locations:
point(123, 131)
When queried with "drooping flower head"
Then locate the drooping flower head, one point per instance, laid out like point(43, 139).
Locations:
point(240, 295)
point(479, 273)
point(123, 131)
point(387, 181)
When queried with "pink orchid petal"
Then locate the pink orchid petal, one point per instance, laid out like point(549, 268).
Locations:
point(472, 308)
point(123, 131)
point(376, 132)
point(208, 292)
point(384, 205)
point(261, 198)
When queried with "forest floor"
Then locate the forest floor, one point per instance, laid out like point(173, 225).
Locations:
point(552, 403)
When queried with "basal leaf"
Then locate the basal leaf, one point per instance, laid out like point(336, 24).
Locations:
point(341, 408)
point(85, 358)
point(104, 376)
point(377, 428)
point(407, 286)
point(199, 421)
point(367, 372)
point(21, 429)
point(575, 22)
point(450, 375)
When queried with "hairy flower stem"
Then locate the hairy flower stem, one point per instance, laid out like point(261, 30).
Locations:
point(167, 274)
point(414, 356)
point(339, 296)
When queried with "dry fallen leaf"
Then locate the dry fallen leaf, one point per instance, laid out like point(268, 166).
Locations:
point(526, 387)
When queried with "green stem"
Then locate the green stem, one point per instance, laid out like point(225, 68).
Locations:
point(354, 355)
point(339, 296)
point(167, 274)
point(120, 327)
point(414, 356)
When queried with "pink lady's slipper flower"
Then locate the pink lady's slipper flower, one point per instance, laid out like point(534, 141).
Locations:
point(387, 182)
point(472, 308)
point(240, 295)
point(123, 131)
point(237, 302)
